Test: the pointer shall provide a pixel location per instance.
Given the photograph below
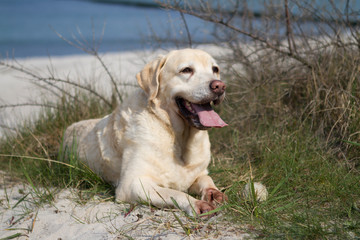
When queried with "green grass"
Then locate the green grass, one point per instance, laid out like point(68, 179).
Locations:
point(311, 194)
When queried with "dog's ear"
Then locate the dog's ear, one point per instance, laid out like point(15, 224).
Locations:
point(148, 78)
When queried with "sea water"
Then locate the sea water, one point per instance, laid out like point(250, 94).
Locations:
point(32, 27)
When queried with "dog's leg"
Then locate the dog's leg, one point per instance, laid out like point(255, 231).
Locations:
point(205, 187)
point(144, 190)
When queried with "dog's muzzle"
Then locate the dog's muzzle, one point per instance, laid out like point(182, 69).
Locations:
point(202, 115)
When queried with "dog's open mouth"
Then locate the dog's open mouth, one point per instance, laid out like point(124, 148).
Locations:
point(201, 116)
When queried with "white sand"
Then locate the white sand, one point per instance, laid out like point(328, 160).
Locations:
point(68, 218)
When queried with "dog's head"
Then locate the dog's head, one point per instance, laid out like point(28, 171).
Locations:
point(186, 81)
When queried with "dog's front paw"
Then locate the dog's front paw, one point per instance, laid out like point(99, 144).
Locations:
point(203, 207)
point(214, 196)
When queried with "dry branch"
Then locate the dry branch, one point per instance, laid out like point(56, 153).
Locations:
point(211, 17)
point(92, 49)
point(49, 80)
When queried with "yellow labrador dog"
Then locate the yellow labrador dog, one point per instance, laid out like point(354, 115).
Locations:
point(155, 146)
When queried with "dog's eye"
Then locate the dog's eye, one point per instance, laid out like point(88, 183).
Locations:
point(215, 69)
point(187, 70)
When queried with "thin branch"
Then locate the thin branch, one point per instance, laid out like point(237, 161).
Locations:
point(110, 76)
point(41, 159)
point(7, 127)
point(50, 90)
point(289, 33)
point(94, 52)
point(47, 79)
point(234, 13)
point(187, 29)
point(28, 72)
point(60, 90)
point(248, 34)
point(28, 104)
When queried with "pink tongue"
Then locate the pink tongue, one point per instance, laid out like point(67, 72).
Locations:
point(208, 117)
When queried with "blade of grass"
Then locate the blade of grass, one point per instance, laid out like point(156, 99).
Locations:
point(33, 221)
point(278, 186)
point(20, 200)
point(41, 159)
point(186, 229)
point(16, 235)
point(18, 220)
point(216, 210)
point(353, 143)
point(254, 198)
point(7, 197)
point(31, 183)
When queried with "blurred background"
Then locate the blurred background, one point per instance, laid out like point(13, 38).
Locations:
point(32, 28)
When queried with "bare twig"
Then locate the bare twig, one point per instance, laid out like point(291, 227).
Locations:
point(234, 13)
point(41, 145)
point(255, 37)
point(28, 104)
point(7, 127)
point(187, 29)
point(52, 78)
point(110, 76)
point(289, 33)
point(92, 50)
point(40, 159)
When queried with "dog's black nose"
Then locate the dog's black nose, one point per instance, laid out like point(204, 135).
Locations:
point(217, 87)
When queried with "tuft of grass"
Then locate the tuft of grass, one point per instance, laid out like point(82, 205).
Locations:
point(36, 155)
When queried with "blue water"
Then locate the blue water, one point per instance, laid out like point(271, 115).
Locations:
point(27, 27)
